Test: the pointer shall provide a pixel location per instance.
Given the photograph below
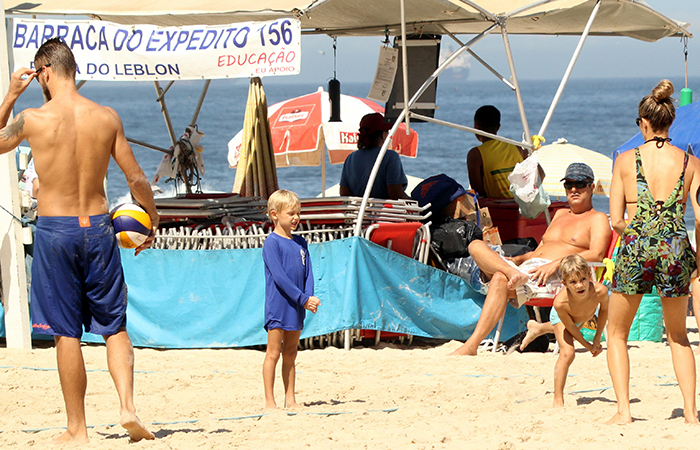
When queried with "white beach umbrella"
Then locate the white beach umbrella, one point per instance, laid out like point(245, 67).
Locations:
point(556, 157)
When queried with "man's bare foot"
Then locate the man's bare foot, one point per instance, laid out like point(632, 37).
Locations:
point(271, 406)
point(558, 403)
point(516, 278)
point(137, 430)
point(534, 330)
point(464, 350)
point(619, 418)
point(68, 438)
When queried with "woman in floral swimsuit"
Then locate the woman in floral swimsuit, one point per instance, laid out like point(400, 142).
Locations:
point(652, 183)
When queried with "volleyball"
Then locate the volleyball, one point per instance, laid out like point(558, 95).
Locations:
point(132, 225)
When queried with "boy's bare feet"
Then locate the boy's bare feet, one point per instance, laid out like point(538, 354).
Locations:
point(534, 330)
point(68, 438)
point(464, 350)
point(271, 406)
point(619, 418)
point(137, 430)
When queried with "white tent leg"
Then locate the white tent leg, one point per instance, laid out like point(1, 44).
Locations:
point(514, 80)
point(14, 276)
point(404, 58)
point(569, 69)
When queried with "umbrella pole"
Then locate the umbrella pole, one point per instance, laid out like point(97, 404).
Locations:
point(323, 172)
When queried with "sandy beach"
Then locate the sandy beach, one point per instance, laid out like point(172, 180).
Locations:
point(387, 397)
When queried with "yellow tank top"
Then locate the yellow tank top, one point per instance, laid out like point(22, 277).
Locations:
point(499, 159)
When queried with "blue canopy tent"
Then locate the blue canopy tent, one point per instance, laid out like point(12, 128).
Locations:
point(684, 133)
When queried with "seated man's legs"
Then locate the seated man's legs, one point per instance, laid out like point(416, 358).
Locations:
point(491, 263)
point(504, 278)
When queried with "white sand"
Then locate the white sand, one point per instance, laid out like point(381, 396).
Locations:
point(389, 397)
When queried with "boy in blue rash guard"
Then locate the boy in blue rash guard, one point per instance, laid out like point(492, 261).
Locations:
point(289, 289)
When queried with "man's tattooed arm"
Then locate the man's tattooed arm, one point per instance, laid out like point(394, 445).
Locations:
point(13, 130)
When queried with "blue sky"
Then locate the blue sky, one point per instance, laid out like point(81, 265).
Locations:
point(536, 57)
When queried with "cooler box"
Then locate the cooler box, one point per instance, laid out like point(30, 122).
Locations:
point(511, 225)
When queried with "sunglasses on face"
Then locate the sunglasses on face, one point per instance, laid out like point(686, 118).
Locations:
point(638, 121)
point(576, 184)
point(38, 71)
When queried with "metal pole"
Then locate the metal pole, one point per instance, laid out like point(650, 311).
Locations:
point(514, 76)
point(483, 63)
point(12, 265)
point(164, 109)
point(569, 69)
point(416, 96)
point(151, 146)
point(471, 130)
point(404, 59)
point(193, 122)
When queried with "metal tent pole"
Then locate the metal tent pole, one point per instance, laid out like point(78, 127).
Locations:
point(12, 266)
point(385, 146)
point(569, 69)
point(193, 122)
point(514, 80)
point(404, 60)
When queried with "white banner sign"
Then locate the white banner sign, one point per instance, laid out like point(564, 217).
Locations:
point(109, 51)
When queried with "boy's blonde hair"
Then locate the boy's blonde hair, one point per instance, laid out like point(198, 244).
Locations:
point(280, 199)
point(573, 265)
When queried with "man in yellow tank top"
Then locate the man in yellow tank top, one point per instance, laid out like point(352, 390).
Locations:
point(490, 163)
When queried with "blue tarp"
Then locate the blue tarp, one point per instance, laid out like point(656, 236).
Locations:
point(684, 131)
point(215, 298)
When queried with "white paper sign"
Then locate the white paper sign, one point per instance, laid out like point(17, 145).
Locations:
point(109, 51)
point(386, 72)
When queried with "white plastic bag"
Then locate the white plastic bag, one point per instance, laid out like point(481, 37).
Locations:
point(524, 179)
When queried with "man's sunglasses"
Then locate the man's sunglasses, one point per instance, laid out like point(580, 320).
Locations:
point(576, 184)
point(38, 71)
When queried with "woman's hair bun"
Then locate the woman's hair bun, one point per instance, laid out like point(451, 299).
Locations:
point(662, 91)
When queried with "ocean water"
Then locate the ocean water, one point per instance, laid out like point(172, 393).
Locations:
point(594, 113)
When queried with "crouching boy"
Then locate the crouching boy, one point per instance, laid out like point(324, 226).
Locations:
point(573, 307)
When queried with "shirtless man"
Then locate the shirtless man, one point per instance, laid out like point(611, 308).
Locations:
point(77, 273)
point(579, 230)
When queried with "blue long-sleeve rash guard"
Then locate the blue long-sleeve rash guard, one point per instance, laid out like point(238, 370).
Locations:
point(289, 281)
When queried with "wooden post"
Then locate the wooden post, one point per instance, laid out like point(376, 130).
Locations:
point(12, 268)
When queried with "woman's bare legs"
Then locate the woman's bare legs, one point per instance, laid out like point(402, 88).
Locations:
point(675, 312)
point(622, 309)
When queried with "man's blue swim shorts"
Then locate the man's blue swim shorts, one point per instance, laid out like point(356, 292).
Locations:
point(77, 277)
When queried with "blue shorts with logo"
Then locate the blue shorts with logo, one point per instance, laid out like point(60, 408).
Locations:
point(77, 277)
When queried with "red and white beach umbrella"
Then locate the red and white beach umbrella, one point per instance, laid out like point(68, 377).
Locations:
point(300, 129)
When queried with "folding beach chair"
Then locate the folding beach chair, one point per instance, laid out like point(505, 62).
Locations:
point(600, 271)
point(411, 239)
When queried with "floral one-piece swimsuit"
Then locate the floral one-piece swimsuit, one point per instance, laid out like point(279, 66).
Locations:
point(655, 247)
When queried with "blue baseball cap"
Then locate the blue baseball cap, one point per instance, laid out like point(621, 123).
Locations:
point(578, 172)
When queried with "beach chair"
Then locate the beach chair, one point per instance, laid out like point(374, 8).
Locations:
point(411, 239)
point(600, 271)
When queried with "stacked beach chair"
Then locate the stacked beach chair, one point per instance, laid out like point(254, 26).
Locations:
point(229, 221)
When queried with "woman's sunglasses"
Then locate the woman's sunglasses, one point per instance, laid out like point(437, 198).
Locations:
point(577, 184)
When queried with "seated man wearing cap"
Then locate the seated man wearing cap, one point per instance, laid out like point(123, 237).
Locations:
point(390, 181)
point(579, 230)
